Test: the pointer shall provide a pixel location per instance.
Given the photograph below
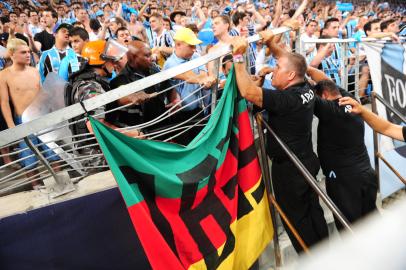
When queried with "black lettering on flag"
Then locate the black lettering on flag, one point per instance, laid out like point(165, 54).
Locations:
point(258, 193)
point(212, 206)
point(146, 184)
point(244, 206)
point(246, 156)
point(229, 188)
point(393, 90)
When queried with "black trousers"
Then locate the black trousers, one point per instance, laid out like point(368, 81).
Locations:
point(299, 202)
point(354, 193)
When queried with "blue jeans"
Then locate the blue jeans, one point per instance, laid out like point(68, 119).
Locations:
point(30, 159)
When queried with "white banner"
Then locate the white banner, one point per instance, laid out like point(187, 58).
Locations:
point(387, 64)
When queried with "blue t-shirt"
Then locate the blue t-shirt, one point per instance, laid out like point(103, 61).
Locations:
point(185, 89)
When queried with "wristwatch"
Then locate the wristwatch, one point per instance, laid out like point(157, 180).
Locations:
point(238, 58)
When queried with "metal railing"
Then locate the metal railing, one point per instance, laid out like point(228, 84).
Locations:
point(78, 154)
point(377, 154)
point(349, 73)
point(306, 174)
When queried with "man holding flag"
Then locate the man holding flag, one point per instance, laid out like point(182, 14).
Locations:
point(290, 110)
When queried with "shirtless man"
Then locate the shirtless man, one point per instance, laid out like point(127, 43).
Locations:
point(221, 27)
point(20, 84)
point(136, 28)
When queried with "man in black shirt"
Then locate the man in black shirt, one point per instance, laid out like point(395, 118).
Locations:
point(45, 40)
point(350, 180)
point(377, 123)
point(290, 110)
point(146, 107)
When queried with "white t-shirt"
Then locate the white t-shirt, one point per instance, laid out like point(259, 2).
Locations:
point(307, 46)
point(93, 36)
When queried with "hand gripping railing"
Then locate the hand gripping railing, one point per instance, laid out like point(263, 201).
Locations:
point(64, 114)
point(67, 147)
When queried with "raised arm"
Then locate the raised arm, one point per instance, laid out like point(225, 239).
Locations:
point(321, 54)
point(258, 18)
point(141, 13)
point(278, 14)
point(300, 9)
point(316, 74)
point(377, 123)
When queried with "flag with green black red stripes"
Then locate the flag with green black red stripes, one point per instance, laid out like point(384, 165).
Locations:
point(200, 206)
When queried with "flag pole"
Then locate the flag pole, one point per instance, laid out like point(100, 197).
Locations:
point(272, 201)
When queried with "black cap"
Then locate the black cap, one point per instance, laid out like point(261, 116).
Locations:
point(176, 12)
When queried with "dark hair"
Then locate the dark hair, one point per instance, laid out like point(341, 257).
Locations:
point(237, 17)
point(53, 13)
point(291, 13)
point(368, 25)
point(225, 19)
point(326, 85)
point(384, 25)
point(226, 59)
point(330, 21)
point(311, 21)
point(193, 27)
point(79, 31)
point(12, 12)
point(168, 21)
point(298, 62)
point(122, 28)
point(78, 24)
point(94, 24)
point(4, 20)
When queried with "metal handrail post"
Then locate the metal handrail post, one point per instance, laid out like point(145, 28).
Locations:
point(344, 66)
point(41, 158)
point(380, 156)
point(357, 67)
point(63, 183)
point(311, 181)
point(269, 189)
point(375, 138)
point(388, 106)
point(298, 43)
point(215, 87)
point(34, 126)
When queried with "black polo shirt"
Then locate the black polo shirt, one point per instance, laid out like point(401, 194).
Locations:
point(138, 114)
point(340, 138)
point(46, 39)
point(290, 116)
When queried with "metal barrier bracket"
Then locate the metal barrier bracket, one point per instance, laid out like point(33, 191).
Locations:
point(59, 185)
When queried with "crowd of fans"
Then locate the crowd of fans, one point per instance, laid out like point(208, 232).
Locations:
point(74, 39)
point(96, 46)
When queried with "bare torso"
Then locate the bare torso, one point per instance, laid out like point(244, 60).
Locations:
point(136, 29)
point(23, 86)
